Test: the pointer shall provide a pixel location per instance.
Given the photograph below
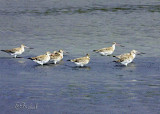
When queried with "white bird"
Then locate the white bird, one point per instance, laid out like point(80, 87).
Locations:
point(41, 59)
point(16, 51)
point(81, 61)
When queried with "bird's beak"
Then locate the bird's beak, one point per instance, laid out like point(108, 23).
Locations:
point(140, 53)
point(28, 47)
point(65, 52)
point(120, 45)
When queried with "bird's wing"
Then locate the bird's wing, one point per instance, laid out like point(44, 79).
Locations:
point(122, 55)
point(11, 50)
point(125, 58)
point(55, 55)
point(105, 49)
point(79, 59)
point(39, 58)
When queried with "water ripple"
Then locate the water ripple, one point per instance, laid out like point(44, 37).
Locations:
point(73, 10)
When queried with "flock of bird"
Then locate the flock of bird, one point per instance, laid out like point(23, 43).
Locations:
point(57, 56)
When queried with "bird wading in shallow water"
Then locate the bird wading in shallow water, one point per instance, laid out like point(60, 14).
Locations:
point(56, 56)
point(81, 61)
point(127, 58)
point(41, 59)
point(126, 54)
point(16, 51)
point(107, 51)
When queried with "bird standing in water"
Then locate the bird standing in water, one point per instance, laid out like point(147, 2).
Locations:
point(107, 51)
point(41, 59)
point(127, 58)
point(81, 61)
point(16, 51)
point(56, 56)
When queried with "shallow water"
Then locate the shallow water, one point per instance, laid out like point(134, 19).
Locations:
point(80, 27)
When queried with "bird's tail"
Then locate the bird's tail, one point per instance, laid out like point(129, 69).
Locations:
point(4, 50)
point(115, 61)
point(71, 60)
point(113, 56)
point(95, 50)
point(30, 58)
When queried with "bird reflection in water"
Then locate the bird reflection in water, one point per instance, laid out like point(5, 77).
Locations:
point(81, 68)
